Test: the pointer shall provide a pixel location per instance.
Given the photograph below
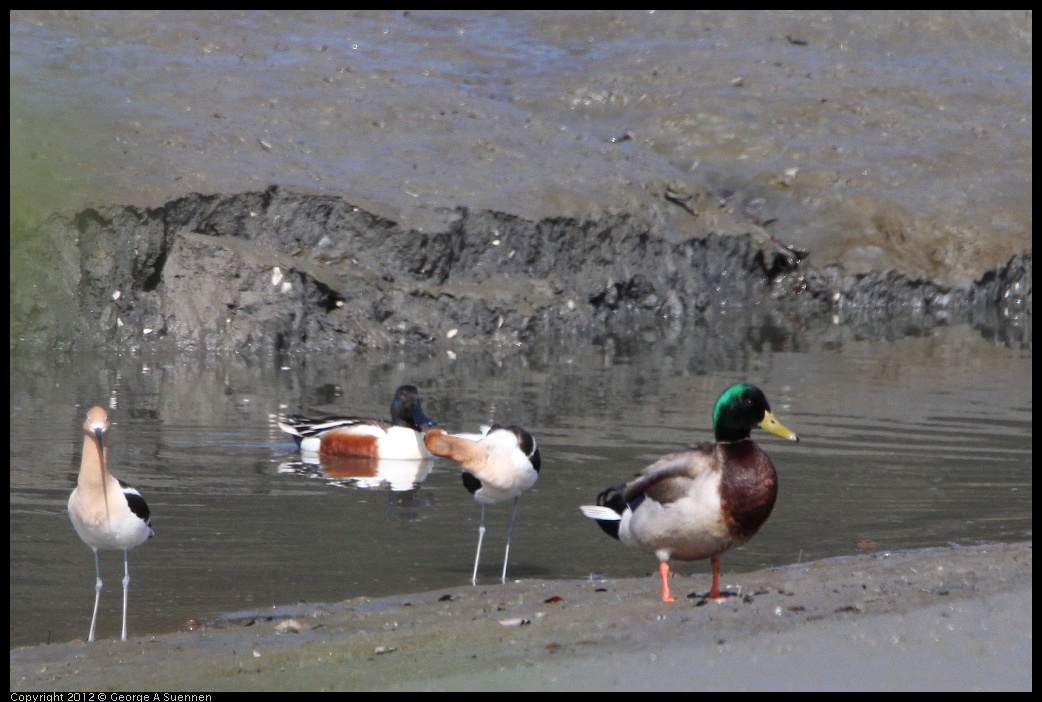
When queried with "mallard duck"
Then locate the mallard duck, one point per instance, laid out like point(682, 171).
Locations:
point(362, 437)
point(701, 502)
point(106, 512)
point(498, 464)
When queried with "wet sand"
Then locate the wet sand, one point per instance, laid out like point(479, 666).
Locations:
point(938, 619)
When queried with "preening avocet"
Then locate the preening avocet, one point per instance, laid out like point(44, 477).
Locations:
point(498, 464)
point(106, 512)
point(701, 502)
point(363, 437)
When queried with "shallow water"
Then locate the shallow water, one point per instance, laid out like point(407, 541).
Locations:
point(909, 443)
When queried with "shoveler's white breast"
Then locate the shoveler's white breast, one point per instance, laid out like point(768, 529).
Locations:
point(689, 529)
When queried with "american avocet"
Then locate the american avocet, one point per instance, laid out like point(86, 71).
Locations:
point(401, 438)
point(106, 512)
point(704, 501)
point(500, 463)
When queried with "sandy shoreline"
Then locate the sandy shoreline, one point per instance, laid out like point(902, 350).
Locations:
point(947, 618)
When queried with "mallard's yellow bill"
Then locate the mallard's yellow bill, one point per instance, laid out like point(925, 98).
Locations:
point(770, 423)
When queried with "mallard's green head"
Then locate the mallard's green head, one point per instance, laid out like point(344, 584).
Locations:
point(742, 407)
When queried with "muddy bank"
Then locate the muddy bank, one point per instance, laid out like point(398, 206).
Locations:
point(878, 141)
point(280, 273)
point(948, 618)
point(374, 179)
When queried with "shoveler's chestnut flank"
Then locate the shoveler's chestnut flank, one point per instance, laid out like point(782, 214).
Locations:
point(106, 513)
point(364, 437)
point(500, 463)
point(704, 501)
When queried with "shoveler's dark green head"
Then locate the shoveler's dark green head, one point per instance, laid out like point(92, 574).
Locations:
point(742, 407)
point(407, 411)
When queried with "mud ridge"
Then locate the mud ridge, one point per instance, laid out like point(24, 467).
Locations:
point(282, 273)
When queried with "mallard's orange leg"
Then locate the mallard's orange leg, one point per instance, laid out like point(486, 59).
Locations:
point(714, 594)
point(663, 569)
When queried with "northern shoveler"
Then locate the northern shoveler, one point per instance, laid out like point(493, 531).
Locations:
point(106, 512)
point(701, 502)
point(498, 464)
point(362, 437)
